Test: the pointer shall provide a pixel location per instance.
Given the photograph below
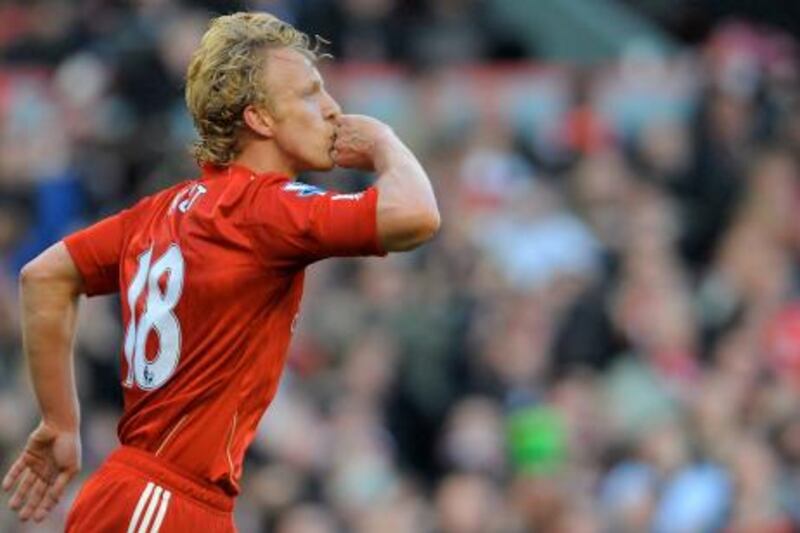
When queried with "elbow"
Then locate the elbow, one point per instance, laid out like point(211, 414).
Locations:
point(429, 224)
point(417, 228)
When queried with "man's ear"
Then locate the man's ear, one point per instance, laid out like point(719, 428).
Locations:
point(260, 121)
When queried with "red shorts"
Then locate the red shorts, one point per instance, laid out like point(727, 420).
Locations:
point(135, 492)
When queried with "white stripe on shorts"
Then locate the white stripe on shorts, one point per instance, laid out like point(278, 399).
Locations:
point(139, 506)
point(161, 511)
point(151, 508)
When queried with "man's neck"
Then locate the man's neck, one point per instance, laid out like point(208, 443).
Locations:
point(265, 157)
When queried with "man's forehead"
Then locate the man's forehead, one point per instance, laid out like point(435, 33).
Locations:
point(288, 59)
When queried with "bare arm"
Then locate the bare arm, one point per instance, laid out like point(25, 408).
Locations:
point(49, 286)
point(407, 211)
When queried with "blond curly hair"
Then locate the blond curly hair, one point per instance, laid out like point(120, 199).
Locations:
point(226, 75)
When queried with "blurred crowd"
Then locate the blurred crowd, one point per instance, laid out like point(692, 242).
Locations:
point(604, 337)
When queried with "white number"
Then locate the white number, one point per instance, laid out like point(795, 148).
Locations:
point(158, 316)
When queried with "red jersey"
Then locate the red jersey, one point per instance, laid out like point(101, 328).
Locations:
point(210, 276)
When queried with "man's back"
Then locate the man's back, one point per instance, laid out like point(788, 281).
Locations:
point(210, 277)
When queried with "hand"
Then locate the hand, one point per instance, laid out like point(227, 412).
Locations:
point(358, 140)
point(50, 460)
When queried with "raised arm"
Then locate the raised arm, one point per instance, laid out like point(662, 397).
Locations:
point(49, 287)
point(407, 212)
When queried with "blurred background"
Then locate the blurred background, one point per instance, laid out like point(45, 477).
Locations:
point(605, 335)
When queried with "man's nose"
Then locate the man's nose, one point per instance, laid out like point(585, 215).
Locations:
point(332, 111)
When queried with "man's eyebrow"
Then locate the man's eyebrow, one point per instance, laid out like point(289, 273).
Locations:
point(313, 85)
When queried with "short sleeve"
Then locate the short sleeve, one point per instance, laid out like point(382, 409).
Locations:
point(96, 252)
point(298, 223)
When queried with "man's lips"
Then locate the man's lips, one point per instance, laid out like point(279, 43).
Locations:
point(332, 147)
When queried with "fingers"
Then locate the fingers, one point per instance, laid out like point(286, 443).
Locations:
point(28, 479)
point(57, 489)
point(45, 507)
point(37, 492)
point(35, 497)
point(13, 474)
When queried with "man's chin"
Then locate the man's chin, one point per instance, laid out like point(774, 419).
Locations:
point(326, 164)
point(318, 166)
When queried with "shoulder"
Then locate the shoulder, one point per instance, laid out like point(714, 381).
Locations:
point(300, 189)
point(271, 198)
point(163, 197)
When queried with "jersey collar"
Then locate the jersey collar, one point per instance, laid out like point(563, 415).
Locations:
point(235, 170)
